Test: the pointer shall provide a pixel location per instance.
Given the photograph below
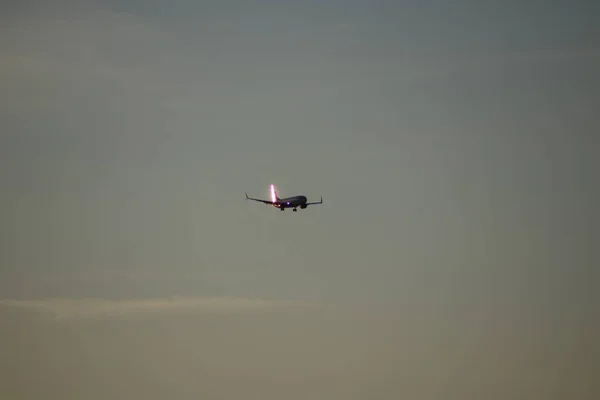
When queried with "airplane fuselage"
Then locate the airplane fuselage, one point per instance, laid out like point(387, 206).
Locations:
point(291, 202)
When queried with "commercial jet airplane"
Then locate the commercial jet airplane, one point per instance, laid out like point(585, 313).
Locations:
point(289, 202)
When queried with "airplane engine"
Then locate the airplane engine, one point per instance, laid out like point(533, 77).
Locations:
point(303, 206)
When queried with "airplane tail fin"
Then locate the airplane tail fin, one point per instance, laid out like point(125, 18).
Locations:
point(274, 196)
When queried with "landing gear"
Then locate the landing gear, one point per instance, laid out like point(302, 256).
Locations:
point(294, 210)
point(282, 208)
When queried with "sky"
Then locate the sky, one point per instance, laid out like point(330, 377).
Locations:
point(454, 144)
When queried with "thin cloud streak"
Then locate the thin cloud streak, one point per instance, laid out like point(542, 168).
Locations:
point(63, 308)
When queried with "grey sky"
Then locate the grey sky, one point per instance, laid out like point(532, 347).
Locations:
point(455, 146)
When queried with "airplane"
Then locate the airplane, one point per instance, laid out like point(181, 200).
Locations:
point(289, 202)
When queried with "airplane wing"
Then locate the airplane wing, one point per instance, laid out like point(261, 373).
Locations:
point(260, 200)
point(316, 202)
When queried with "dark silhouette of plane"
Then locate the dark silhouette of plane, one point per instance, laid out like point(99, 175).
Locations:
point(288, 202)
